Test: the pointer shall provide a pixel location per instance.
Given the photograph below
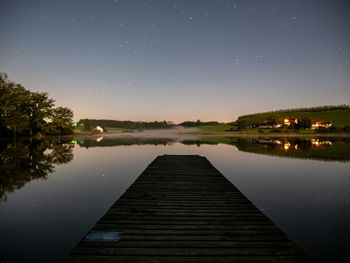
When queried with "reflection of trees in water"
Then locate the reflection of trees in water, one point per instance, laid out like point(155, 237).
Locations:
point(23, 161)
point(123, 141)
point(323, 148)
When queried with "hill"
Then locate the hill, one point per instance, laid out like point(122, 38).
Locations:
point(338, 115)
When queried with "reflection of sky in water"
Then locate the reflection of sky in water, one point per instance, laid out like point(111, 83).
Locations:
point(307, 199)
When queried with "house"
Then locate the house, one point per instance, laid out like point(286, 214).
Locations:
point(98, 129)
point(254, 125)
point(265, 125)
point(328, 124)
point(288, 121)
point(315, 124)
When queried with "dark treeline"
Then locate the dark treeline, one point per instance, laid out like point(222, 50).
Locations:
point(26, 113)
point(307, 109)
point(89, 124)
point(197, 123)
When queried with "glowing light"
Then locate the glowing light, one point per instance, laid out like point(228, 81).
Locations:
point(286, 146)
point(286, 122)
point(315, 141)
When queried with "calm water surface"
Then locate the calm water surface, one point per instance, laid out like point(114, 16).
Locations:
point(53, 192)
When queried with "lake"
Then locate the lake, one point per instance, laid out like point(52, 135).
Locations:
point(53, 191)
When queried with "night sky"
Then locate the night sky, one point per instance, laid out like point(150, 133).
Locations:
point(178, 60)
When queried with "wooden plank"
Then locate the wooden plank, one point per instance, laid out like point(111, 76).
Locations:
point(194, 226)
point(187, 251)
point(183, 222)
point(188, 244)
point(218, 237)
point(186, 259)
point(190, 232)
point(182, 209)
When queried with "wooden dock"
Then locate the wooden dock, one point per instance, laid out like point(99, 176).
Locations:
point(182, 209)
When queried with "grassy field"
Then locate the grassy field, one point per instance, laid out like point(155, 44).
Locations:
point(118, 130)
point(77, 130)
point(222, 127)
point(339, 118)
point(232, 128)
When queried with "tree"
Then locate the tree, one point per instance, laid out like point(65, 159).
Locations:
point(62, 118)
point(86, 125)
point(242, 124)
point(23, 112)
point(39, 108)
point(13, 99)
point(305, 123)
point(272, 120)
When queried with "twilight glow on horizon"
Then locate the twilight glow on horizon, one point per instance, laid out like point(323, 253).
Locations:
point(178, 60)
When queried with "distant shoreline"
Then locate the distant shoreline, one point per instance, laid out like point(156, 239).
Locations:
point(275, 134)
point(164, 133)
point(188, 132)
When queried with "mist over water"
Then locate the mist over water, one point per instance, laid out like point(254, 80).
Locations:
point(177, 133)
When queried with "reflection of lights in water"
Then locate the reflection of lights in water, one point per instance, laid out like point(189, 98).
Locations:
point(296, 147)
point(317, 142)
point(99, 139)
point(278, 142)
point(286, 146)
